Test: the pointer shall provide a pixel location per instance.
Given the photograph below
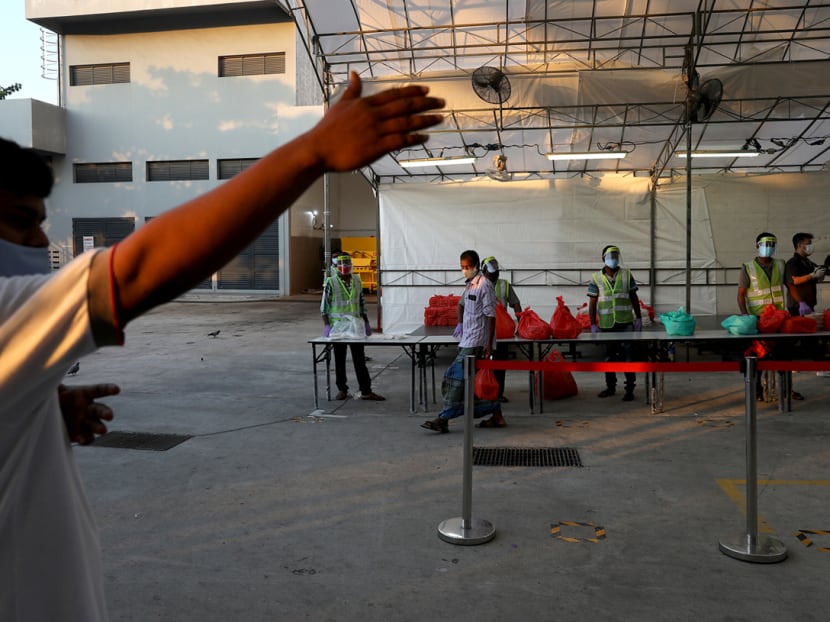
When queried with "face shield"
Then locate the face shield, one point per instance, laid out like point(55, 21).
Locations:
point(612, 257)
point(766, 246)
point(343, 263)
point(490, 267)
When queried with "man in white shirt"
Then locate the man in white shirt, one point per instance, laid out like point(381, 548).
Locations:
point(50, 566)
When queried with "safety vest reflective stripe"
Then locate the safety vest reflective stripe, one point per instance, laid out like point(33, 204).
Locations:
point(614, 301)
point(764, 290)
point(502, 291)
point(345, 301)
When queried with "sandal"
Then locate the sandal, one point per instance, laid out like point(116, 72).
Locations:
point(436, 425)
point(489, 423)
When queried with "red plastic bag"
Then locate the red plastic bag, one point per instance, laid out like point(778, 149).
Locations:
point(557, 385)
point(531, 326)
point(759, 349)
point(582, 316)
point(647, 309)
point(771, 319)
point(505, 326)
point(563, 325)
point(486, 387)
point(799, 324)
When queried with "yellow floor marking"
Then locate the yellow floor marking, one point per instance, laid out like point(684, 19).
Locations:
point(732, 490)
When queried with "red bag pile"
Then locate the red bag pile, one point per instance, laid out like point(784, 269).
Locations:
point(563, 325)
point(531, 326)
point(505, 326)
point(442, 311)
point(771, 319)
point(485, 386)
point(557, 385)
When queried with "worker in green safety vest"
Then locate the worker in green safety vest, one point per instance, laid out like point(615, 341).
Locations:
point(613, 306)
point(344, 315)
point(761, 283)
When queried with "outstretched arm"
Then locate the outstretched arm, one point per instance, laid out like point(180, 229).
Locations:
point(173, 252)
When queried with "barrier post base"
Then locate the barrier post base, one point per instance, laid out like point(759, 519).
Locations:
point(763, 550)
point(478, 532)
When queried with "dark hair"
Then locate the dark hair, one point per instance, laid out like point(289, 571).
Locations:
point(798, 238)
point(472, 257)
point(24, 171)
point(765, 234)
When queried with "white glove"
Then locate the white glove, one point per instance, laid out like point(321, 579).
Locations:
point(818, 273)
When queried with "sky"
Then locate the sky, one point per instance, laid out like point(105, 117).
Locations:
point(20, 56)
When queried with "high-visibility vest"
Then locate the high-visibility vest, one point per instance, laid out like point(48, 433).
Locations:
point(502, 291)
point(614, 301)
point(345, 301)
point(764, 290)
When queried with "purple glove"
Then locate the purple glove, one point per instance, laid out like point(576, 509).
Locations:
point(458, 330)
point(638, 324)
point(804, 308)
point(368, 328)
point(594, 329)
point(326, 330)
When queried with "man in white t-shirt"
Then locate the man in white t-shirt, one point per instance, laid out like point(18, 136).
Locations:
point(50, 566)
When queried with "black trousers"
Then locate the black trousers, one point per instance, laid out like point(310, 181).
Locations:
point(364, 380)
point(623, 352)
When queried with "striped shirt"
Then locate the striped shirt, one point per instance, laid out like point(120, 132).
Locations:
point(479, 302)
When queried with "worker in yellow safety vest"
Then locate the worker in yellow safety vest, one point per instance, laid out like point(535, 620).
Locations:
point(613, 306)
point(344, 316)
point(761, 283)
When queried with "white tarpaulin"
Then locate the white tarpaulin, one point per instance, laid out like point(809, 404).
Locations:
point(533, 228)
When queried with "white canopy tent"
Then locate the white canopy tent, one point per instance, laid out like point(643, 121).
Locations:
point(589, 75)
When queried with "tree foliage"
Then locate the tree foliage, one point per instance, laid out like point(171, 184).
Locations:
point(5, 91)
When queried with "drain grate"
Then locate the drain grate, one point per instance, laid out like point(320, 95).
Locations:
point(140, 440)
point(527, 456)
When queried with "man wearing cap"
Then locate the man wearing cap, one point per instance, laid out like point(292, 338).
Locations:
point(342, 304)
point(613, 306)
point(505, 296)
point(761, 283)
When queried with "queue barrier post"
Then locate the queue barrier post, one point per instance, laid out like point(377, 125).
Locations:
point(466, 530)
point(750, 547)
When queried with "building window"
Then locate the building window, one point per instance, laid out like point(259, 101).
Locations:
point(177, 170)
point(102, 172)
point(110, 73)
point(251, 64)
point(230, 167)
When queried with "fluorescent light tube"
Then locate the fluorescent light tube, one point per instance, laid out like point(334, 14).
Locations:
point(437, 161)
point(588, 155)
point(719, 154)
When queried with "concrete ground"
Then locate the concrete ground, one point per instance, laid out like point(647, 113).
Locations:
point(274, 511)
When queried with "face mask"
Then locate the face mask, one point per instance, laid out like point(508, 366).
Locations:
point(808, 250)
point(766, 251)
point(611, 262)
point(17, 260)
point(468, 273)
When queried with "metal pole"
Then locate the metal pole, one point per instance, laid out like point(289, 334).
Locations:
point(688, 216)
point(465, 529)
point(750, 547)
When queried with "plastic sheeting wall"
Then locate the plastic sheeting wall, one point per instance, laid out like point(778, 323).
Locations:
point(564, 224)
